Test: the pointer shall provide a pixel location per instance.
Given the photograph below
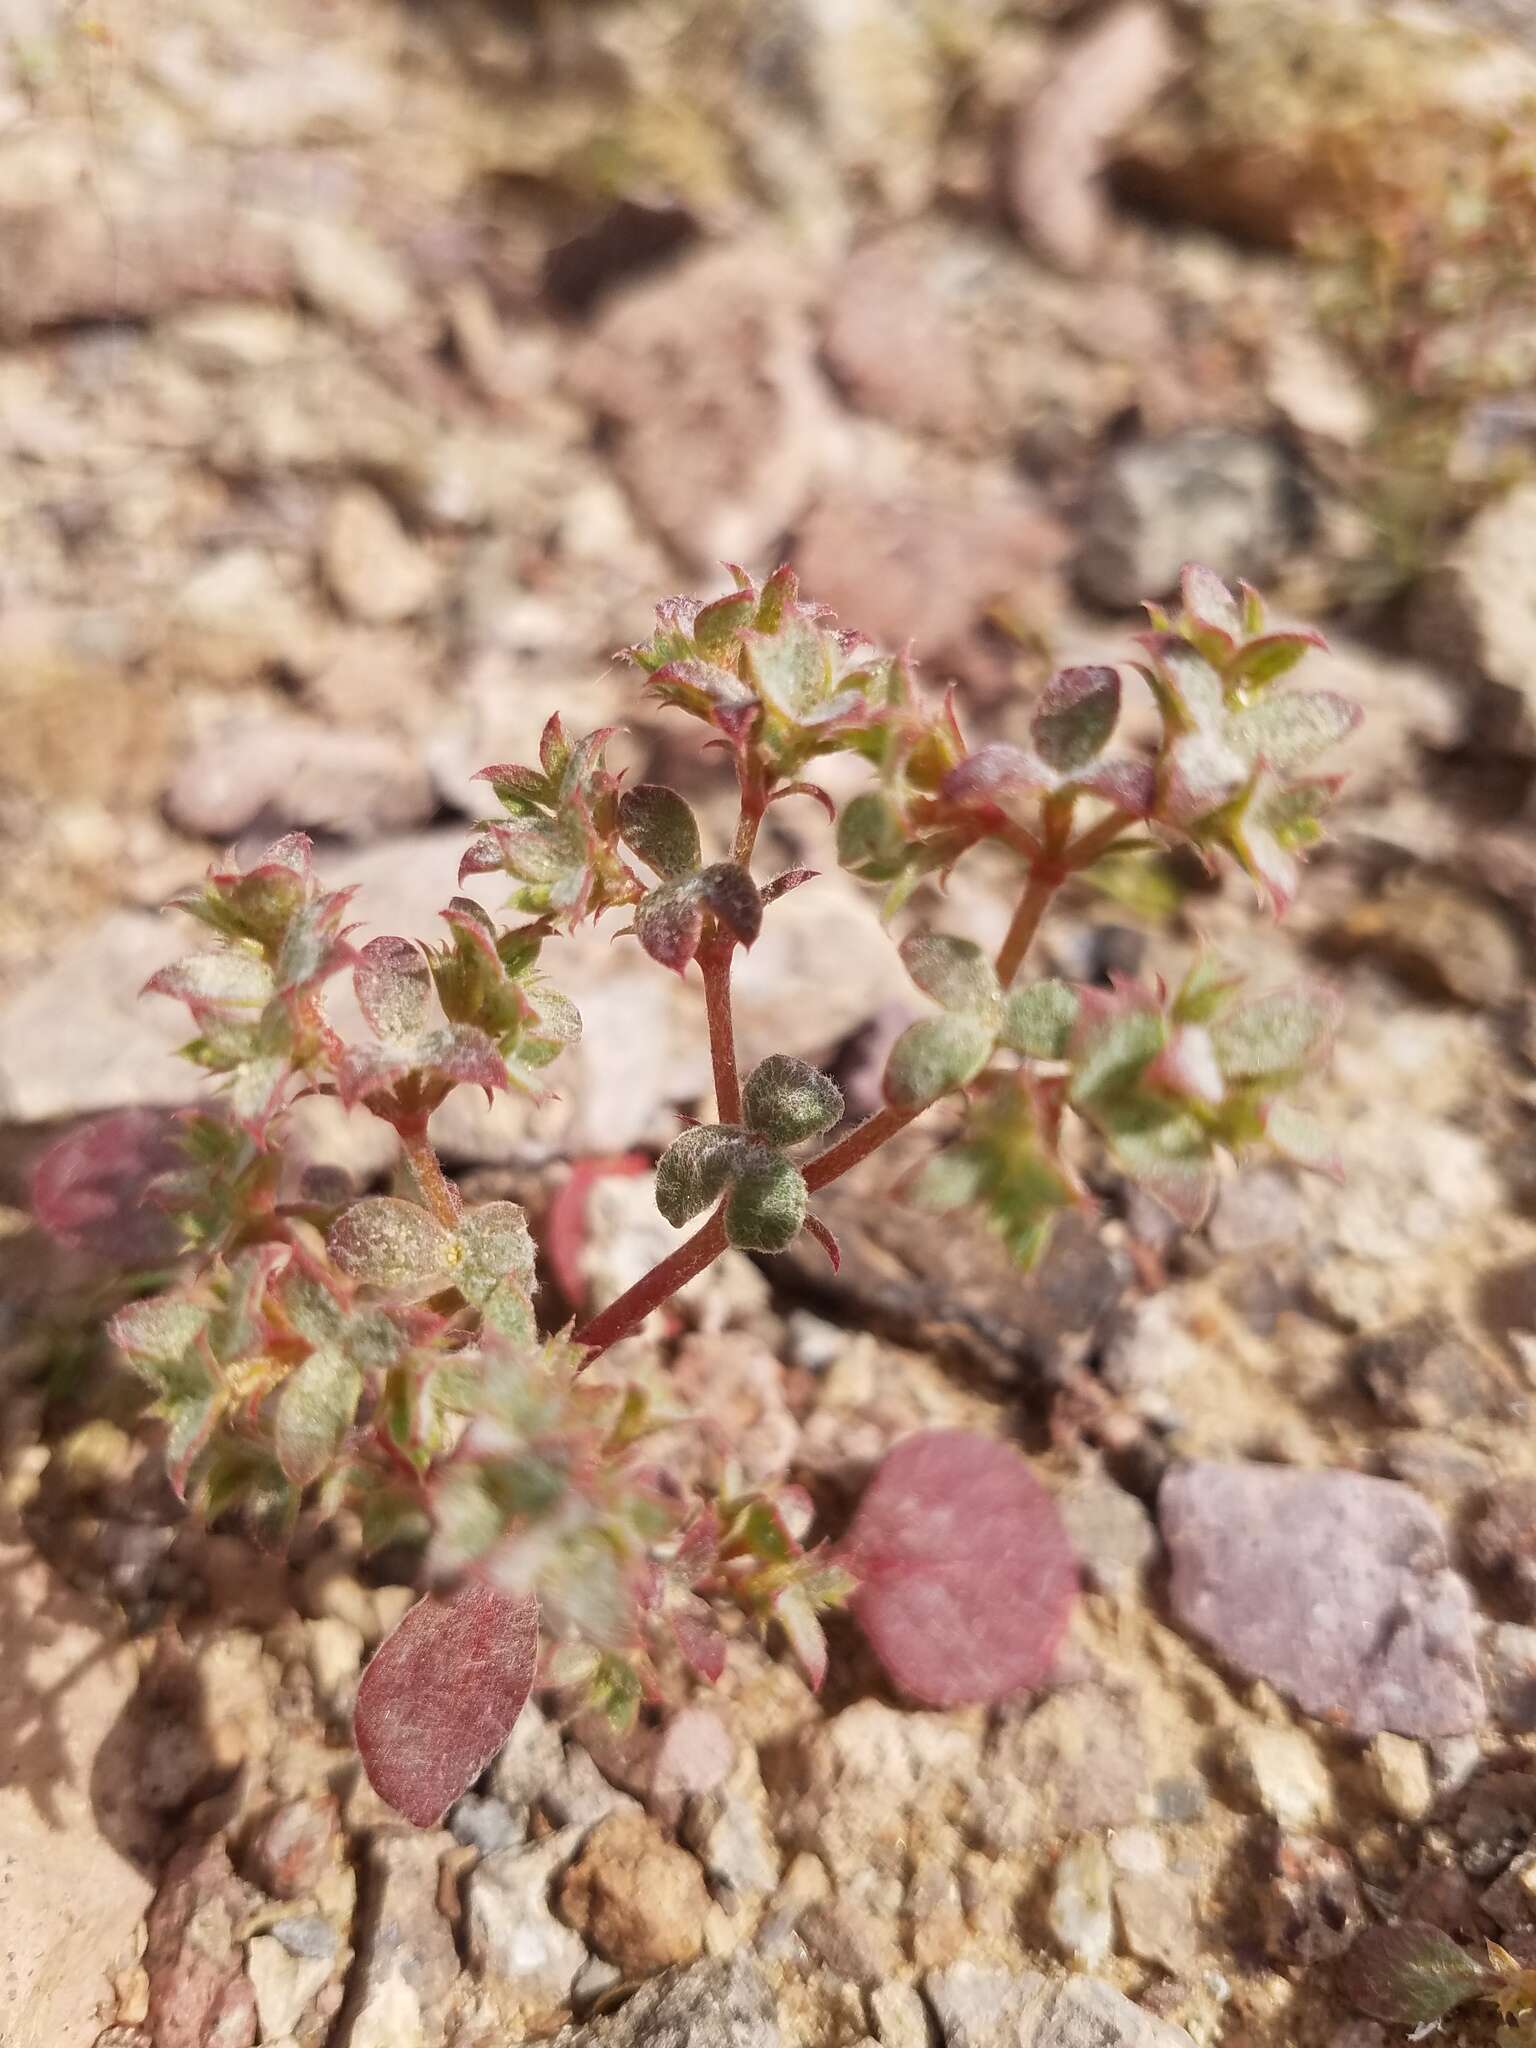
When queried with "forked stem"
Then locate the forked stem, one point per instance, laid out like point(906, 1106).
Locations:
point(707, 1243)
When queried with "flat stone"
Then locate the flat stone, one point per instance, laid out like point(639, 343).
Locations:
point(1076, 1761)
point(1332, 1585)
point(72, 1899)
point(283, 1983)
point(707, 373)
point(294, 774)
point(726, 2004)
point(984, 2007)
point(515, 1943)
point(1226, 500)
point(375, 571)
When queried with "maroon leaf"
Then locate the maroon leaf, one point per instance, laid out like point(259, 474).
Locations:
point(826, 1240)
point(88, 1189)
point(966, 1575)
point(442, 1696)
point(1075, 717)
point(792, 878)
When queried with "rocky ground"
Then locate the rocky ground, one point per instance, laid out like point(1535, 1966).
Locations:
point(366, 371)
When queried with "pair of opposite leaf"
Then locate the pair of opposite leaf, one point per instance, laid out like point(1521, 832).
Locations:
point(786, 1102)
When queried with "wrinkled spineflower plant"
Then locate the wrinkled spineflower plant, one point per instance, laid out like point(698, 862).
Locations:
point(317, 1351)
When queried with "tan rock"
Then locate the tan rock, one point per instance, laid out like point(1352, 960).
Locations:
point(376, 572)
point(635, 1896)
point(72, 1901)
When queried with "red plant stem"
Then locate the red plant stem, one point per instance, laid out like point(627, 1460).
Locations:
point(1033, 904)
point(715, 966)
point(857, 1144)
point(663, 1281)
point(442, 1197)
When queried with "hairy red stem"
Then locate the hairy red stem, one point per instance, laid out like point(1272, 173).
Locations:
point(715, 966)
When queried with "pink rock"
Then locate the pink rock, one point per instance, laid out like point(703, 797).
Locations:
point(1334, 1586)
point(695, 1755)
point(707, 372)
point(1110, 73)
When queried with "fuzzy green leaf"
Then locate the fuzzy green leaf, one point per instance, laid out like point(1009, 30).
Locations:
point(1038, 1021)
point(157, 1332)
point(314, 1412)
point(955, 972)
point(493, 1245)
point(694, 1170)
point(871, 841)
point(394, 988)
point(1076, 717)
point(789, 667)
point(389, 1243)
point(1274, 1035)
point(788, 1100)
point(767, 1205)
point(657, 824)
point(934, 1056)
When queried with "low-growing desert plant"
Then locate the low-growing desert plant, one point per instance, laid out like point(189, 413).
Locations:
point(317, 1350)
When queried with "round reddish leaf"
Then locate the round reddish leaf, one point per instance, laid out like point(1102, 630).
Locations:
point(89, 1189)
point(442, 1694)
point(966, 1574)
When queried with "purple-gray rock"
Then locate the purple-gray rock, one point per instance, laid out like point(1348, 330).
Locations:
point(1334, 1586)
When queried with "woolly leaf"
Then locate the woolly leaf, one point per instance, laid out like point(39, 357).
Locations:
point(732, 895)
point(442, 1695)
point(767, 1204)
point(394, 988)
point(389, 1243)
point(669, 924)
point(871, 840)
point(1038, 1021)
point(493, 1245)
point(693, 1172)
point(157, 1332)
point(789, 667)
point(934, 1056)
point(955, 972)
point(1271, 656)
point(787, 1100)
point(1275, 1035)
point(314, 1412)
point(1288, 731)
point(966, 1577)
point(1076, 717)
point(1208, 601)
point(658, 825)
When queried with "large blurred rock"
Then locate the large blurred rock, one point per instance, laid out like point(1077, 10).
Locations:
point(72, 1902)
point(947, 331)
point(707, 374)
point(1226, 500)
point(1475, 616)
point(1109, 74)
point(291, 774)
point(920, 552)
